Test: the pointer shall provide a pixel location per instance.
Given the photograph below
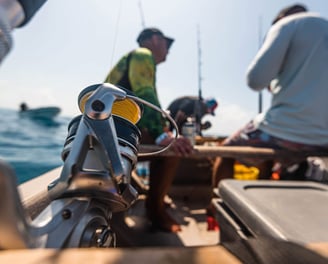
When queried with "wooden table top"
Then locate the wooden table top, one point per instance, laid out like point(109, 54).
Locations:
point(235, 152)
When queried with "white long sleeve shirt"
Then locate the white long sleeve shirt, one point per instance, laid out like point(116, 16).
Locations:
point(293, 61)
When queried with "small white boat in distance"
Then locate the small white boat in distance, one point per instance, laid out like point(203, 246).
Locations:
point(49, 112)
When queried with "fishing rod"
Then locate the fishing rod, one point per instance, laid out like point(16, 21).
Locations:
point(200, 97)
point(199, 64)
point(118, 19)
point(143, 24)
point(260, 102)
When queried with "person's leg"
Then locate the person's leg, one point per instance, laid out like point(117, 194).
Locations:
point(223, 168)
point(249, 135)
point(265, 169)
point(162, 172)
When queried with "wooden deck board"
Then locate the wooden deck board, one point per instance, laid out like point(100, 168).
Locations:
point(194, 255)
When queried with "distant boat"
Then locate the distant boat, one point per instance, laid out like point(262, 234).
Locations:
point(49, 112)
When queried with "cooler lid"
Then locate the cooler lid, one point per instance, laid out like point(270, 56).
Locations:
point(289, 210)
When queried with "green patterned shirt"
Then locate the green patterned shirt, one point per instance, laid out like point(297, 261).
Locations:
point(140, 67)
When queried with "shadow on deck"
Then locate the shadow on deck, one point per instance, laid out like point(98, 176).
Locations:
point(189, 195)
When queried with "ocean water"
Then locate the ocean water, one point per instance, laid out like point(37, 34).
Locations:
point(32, 147)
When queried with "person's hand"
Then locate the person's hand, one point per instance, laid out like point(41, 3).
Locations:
point(180, 118)
point(269, 88)
point(181, 146)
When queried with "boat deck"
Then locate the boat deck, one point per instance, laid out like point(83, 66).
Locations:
point(188, 203)
point(189, 196)
point(137, 241)
point(134, 230)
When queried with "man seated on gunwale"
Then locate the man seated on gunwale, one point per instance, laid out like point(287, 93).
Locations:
point(292, 63)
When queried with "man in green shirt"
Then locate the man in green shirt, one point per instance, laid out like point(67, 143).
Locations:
point(136, 71)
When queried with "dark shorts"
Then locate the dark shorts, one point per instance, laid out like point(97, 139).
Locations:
point(251, 136)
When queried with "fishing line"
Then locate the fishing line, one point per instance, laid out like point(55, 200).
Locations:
point(118, 19)
point(143, 24)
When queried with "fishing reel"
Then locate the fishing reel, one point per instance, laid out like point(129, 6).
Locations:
point(99, 153)
point(101, 148)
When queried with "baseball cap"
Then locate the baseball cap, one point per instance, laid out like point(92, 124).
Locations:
point(211, 104)
point(149, 32)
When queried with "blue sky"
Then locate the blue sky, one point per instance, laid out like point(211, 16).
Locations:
point(71, 44)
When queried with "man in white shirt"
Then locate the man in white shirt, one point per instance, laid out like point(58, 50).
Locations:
point(293, 64)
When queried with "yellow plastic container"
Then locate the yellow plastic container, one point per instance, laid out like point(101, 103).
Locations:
point(242, 172)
